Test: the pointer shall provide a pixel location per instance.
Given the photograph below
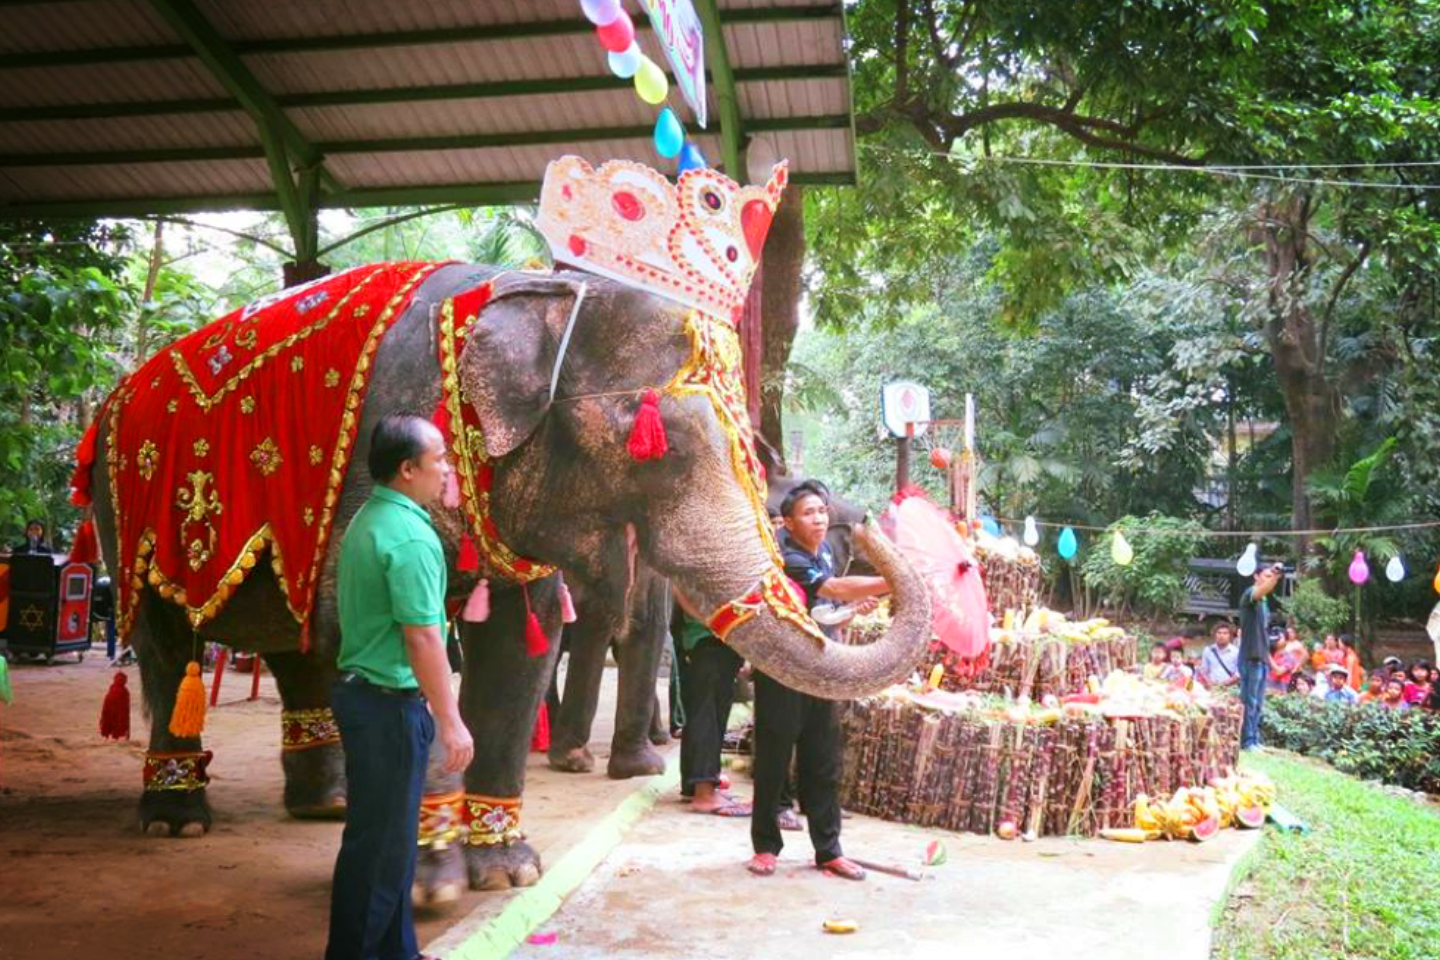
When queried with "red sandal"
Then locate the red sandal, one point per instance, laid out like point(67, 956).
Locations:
point(844, 869)
point(762, 864)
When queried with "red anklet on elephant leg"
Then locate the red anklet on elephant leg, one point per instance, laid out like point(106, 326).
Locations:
point(303, 729)
point(492, 821)
point(176, 772)
point(441, 818)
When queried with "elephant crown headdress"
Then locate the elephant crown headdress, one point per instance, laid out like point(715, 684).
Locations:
point(697, 240)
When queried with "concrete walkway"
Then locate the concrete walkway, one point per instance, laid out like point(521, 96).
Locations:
point(675, 887)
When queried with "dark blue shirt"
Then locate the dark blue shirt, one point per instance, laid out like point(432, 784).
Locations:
point(1254, 626)
point(809, 570)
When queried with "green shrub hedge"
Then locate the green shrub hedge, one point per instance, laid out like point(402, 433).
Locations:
point(1395, 746)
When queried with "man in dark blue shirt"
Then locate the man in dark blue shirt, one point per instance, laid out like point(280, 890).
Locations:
point(1255, 652)
point(788, 721)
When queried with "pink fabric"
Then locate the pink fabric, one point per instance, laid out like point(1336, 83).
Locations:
point(477, 605)
point(928, 539)
point(567, 605)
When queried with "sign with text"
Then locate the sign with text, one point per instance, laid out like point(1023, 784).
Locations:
point(677, 27)
point(904, 402)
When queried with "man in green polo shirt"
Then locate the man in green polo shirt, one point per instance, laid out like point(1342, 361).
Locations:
point(392, 660)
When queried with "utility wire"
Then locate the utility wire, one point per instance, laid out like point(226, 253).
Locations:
point(1250, 534)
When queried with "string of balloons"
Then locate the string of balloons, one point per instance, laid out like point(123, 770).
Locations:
point(616, 32)
point(1123, 554)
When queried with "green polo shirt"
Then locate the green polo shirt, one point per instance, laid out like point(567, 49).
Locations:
point(392, 574)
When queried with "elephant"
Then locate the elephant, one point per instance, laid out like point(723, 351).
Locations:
point(565, 492)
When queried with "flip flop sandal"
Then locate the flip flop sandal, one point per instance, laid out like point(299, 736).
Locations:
point(788, 820)
point(762, 864)
point(844, 869)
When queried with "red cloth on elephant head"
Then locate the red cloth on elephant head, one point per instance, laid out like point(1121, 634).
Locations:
point(236, 439)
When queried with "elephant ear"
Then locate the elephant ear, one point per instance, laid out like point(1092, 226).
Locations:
point(509, 355)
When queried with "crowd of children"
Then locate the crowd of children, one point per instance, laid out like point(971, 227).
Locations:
point(1329, 670)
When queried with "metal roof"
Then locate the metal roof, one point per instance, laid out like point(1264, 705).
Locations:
point(114, 107)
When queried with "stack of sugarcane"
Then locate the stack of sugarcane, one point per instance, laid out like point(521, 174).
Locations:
point(983, 765)
point(1042, 655)
point(1011, 574)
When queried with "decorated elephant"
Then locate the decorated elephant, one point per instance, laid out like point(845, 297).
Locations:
point(188, 445)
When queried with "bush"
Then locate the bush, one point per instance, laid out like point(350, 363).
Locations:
point(1314, 612)
point(1394, 746)
point(1154, 582)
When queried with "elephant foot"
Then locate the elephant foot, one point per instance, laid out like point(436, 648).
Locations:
point(315, 782)
point(502, 866)
point(578, 760)
point(639, 761)
point(439, 876)
point(174, 814)
point(659, 732)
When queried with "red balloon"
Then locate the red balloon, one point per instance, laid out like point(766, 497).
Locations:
point(617, 35)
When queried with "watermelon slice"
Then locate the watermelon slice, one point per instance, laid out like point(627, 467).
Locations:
point(1251, 817)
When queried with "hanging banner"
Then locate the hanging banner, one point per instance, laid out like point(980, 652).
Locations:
point(677, 27)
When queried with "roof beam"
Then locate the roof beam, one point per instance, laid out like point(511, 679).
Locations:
point(222, 62)
point(397, 145)
point(476, 194)
point(401, 38)
point(732, 131)
point(386, 95)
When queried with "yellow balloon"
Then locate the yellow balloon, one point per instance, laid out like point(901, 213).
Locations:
point(650, 82)
point(1437, 579)
point(1120, 550)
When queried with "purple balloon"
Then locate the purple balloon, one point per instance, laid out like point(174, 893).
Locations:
point(600, 12)
point(691, 158)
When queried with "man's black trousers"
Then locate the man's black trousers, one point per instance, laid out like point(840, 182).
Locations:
point(787, 721)
point(387, 742)
point(708, 691)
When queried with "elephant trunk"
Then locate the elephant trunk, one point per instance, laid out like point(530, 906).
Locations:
point(838, 671)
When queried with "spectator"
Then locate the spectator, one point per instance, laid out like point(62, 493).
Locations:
point(1339, 691)
point(1159, 661)
point(34, 541)
point(1394, 696)
point(1375, 692)
point(1417, 687)
point(1220, 661)
point(1176, 672)
point(1352, 663)
point(1302, 685)
point(1392, 664)
point(1328, 652)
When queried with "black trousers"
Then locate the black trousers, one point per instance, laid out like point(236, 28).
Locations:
point(709, 690)
point(787, 721)
point(387, 742)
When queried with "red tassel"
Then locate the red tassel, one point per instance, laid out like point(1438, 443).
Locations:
point(469, 561)
point(540, 739)
point(647, 436)
point(115, 712)
point(536, 645)
point(441, 419)
point(85, 549)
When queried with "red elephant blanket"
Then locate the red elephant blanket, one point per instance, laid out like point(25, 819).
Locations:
point(236, 439)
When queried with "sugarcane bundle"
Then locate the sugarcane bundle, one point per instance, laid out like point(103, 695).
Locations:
point(1011, 574)
point(1009, 768)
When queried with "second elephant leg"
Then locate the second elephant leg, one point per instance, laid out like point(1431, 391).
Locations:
point(570, 728)
point(638, 656)
point(310, 751)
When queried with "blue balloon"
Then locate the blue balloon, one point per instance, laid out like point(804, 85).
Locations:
point(1067, 545)
point(691, 158)
point(990, 526)
point(669, 135)
point(625, 63)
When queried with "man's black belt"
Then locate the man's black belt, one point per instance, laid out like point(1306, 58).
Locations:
point(409, 693)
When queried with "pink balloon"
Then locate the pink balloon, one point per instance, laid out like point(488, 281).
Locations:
point(1359, 569)
point(617, 35)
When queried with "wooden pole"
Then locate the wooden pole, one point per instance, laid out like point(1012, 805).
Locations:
point(902, 458)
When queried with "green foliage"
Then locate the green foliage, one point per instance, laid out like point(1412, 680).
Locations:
point(1154, 581)
point(1395, 746)
point(1359, 884)
point(1313, 611)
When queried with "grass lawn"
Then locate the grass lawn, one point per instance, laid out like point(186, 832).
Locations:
point(1365, 882)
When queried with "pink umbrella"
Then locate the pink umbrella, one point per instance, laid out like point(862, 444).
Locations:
point(927, 537)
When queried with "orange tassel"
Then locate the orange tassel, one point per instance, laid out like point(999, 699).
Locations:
point(188, 718)
point(469, 560)
point(647, 436)
point(115, 712)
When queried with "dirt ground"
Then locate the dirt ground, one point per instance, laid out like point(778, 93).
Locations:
point(78, 879)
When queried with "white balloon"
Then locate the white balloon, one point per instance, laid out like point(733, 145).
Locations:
point(1031, 536)
point(1395, 570)
point(1247, 563)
